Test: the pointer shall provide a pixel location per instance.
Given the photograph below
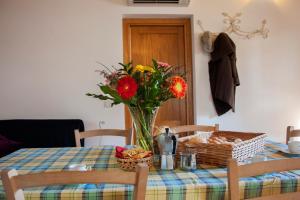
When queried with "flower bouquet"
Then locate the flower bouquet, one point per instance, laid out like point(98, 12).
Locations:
point(143, 89)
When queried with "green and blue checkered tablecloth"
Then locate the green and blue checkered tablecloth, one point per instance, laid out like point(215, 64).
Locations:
point(205, 183)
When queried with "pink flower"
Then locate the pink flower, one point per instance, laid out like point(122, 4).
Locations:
point(110, 77)
point(162, 64)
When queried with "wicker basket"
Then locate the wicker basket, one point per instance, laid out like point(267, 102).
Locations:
point(130, 164)
point(218, 154)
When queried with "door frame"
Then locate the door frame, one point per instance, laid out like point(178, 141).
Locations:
point(186, 24)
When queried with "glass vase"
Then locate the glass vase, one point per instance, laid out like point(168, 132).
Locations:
point(143, 121)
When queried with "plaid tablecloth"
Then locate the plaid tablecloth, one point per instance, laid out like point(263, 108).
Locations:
point(205, 183)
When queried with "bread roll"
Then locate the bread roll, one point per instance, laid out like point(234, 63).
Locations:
point(238, 140)
point(194, 141)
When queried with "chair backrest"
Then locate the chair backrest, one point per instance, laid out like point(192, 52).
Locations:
point(159, 127)
point(235, 172)
point(291, 132)
point(192, 128)
point(14, 184)
point(169, 123)
point(103, 132)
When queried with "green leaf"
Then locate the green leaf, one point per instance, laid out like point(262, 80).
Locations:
point(155, 65)
point(115, 103)
point(107, 90)
point(99, 96)
point(127, 67)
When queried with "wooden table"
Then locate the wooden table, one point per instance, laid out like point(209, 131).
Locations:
point(207, 182)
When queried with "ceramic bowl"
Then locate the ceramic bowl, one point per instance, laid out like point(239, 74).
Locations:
point(294, 146)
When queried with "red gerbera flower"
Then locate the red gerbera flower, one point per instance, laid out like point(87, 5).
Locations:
point(178, 87)
point(127, 87)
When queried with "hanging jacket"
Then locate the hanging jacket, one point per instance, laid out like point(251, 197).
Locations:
point(223, 74)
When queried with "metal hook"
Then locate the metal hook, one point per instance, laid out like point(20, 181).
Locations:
point(232, 26)
point(200, 25)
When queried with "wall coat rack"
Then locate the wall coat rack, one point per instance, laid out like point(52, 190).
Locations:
point(233, 27)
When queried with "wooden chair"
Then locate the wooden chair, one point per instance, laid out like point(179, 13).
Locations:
point(103, 132)
point(14, 184)
point(235, 172)
point(291, 132)
point(169, 123)
point(192, 128)
point(160, 125)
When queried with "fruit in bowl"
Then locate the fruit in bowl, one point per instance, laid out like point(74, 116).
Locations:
point(129, 158)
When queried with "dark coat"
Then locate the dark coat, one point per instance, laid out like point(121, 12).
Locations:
point(223, 74)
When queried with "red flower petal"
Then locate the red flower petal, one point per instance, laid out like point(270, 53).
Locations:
point(127, 87)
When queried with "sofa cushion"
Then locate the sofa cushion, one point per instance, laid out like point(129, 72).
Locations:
point(8, 146)
point(39, 133)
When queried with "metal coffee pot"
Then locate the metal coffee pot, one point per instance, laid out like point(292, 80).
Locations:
point(167, 144)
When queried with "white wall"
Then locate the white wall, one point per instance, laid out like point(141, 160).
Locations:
point(49, 49)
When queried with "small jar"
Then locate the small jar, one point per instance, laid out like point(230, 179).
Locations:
point(188, 161)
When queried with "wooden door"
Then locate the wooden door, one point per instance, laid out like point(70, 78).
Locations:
point(166, 40)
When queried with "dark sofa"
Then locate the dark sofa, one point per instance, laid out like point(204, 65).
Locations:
point(38, 133)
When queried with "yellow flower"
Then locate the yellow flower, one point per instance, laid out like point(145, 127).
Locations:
point(142, 69)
